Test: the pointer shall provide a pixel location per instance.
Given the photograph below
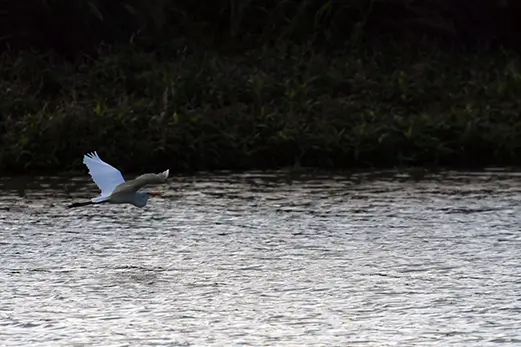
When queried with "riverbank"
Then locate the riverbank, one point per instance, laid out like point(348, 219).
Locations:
point(377, 105)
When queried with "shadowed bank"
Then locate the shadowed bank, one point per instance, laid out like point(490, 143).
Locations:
point(309, 89)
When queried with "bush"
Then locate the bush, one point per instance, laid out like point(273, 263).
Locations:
point(372, 105)
point(79, 26)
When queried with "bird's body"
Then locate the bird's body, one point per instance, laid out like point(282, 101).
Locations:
point(114, 188)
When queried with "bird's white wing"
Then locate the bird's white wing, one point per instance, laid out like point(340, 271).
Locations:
point(141, 181)
point(106, 177)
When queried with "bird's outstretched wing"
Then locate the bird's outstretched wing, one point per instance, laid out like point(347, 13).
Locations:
point(141, 181)
point(106, 177)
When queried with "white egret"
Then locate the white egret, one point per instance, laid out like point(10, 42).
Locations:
point(114, 189)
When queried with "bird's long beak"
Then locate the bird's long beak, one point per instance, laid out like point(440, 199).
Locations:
point(155, 194)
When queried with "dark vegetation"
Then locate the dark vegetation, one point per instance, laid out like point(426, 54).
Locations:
point(249, 84)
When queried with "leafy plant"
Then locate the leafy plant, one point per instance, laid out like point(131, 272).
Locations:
point(376, 104)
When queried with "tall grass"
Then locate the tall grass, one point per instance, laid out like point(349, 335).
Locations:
point(376, 105)
point(258, 84)
point(70, 27)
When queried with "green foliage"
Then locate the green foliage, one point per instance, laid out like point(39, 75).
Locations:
point(356, 106)
point(72, 27)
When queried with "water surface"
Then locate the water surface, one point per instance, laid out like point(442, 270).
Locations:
point(261, 260)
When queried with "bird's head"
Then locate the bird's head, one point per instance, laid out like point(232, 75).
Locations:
point(143, 198)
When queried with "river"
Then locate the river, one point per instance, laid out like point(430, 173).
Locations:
point(264, 259)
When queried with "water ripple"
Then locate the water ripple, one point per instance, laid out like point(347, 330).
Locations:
point(265, 260)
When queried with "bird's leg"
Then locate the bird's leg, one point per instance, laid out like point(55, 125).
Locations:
point(80, 204)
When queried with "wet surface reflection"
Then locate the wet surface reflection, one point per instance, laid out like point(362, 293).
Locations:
point(263, 260)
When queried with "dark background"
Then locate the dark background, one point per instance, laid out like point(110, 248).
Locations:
point(71, 27)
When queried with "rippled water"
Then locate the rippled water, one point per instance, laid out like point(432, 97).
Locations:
point(260, 260)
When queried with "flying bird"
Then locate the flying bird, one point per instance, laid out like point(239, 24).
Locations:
point(114, 188)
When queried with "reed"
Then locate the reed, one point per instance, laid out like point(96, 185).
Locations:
point(80, 26)
point(380, 104)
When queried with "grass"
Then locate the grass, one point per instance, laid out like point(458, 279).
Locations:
point(372, 105)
